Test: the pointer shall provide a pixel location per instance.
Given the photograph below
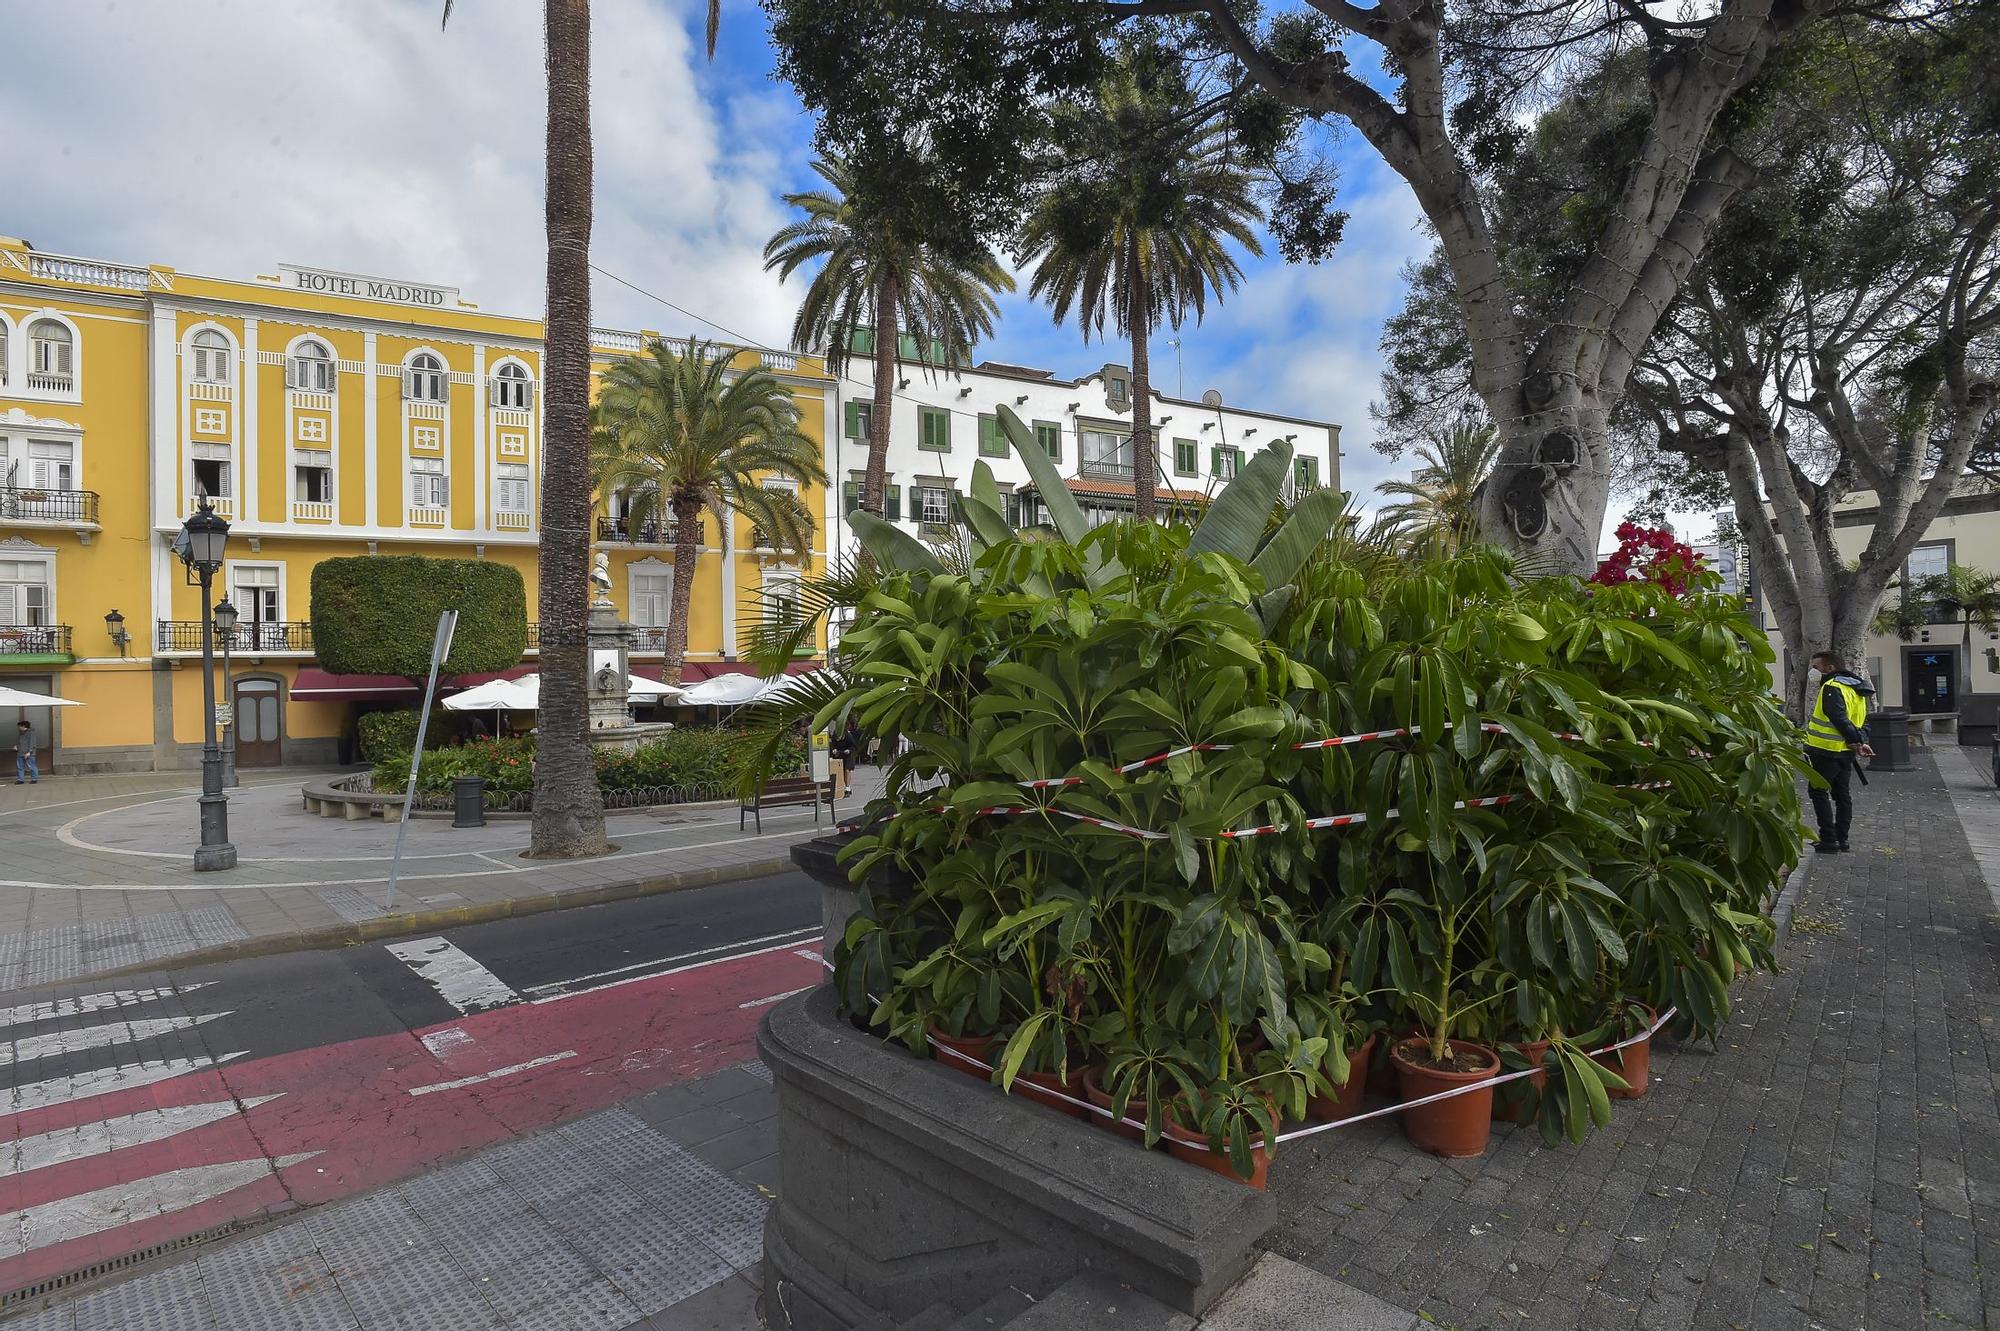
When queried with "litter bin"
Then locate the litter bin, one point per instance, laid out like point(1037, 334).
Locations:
point(468, 801)
point(1889, 733)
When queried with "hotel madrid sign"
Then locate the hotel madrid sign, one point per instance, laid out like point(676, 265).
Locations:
point(325, 282)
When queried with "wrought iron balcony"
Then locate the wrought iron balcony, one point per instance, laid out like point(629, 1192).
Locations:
point(623, 531)
point(252, 639)
point(39, 640)
point(67, 508)
point(1115, 468)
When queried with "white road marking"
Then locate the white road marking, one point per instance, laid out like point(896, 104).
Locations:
point(463, 982)
point(809, 953)
point(115, 1134)
point(447, 1042)
point(97, 1037)
point(461, 1082)
point(122, 1203)
point(789, 936)
point(103, 1081)
point(87, 1003)
point(774, 998)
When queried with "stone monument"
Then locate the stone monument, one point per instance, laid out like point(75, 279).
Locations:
point(610, 640)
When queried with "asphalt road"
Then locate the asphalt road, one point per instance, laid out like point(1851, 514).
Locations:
point(179, 1103)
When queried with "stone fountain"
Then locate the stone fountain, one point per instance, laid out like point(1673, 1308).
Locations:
point(611, 640)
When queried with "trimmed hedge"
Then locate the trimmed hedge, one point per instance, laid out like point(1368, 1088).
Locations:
point(377, 614)
point(685, 758)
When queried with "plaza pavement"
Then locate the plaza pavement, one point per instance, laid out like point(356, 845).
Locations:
point(1834, 1165)
point(97, 872)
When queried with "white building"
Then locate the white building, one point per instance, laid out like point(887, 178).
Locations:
point(944, 421)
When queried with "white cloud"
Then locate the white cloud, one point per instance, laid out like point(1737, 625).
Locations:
point(225, 137)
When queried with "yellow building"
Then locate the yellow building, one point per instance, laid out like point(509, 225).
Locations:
point(323, 414)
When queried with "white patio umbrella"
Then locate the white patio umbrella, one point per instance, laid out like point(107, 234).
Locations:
point(17, 698)
point(735, 690)
point(525, 694)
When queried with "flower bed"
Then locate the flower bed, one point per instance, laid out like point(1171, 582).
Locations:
point(1204, 814)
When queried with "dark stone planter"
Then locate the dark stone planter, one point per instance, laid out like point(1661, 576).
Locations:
point(905, 1184)
point(839, 899)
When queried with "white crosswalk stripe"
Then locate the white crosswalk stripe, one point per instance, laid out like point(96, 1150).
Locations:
point(115, 1134)
point(103, 1081)
point(85, 1004)
point(463, 982)
point(123, 1203)
point(97, 1037)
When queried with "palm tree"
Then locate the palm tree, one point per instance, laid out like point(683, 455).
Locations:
point(1440, 501)
point(677, 431)
point(569, 808)
point(887, 267)
point(1135, 233)
point(1960, 595)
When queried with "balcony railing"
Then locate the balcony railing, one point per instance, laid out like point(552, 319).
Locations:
point(209, 390)
point(311, 510)
point(224, 505)
point(64, 268)
point(1115, 468)
point(50, 383)
point(69, 507)
point(264, 636)
point(505, 521)
point(651, 532)
point(648, 639)
point(34, 640)
point(423, 515)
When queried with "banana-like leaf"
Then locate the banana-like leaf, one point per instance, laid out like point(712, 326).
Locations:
point(984, 490)
point(1310, 523)
point(987, 525)
point(1056, 498)
point(1271, 606)
point(892, 546)
point(1235, 521)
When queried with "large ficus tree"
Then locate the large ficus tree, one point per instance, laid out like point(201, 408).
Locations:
point(1453, 75)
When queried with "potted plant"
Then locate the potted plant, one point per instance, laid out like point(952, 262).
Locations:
point(1627, 1019)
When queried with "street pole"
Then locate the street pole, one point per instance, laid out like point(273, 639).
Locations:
point(215, 852)
point(229, 701)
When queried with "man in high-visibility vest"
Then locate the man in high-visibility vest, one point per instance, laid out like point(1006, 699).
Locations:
point(1834, 736)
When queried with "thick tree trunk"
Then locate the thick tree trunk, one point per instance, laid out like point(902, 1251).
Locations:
point(569, 809)
point(1139, 316)
point(875, 480)
point(1551, 483)
point(687, 553)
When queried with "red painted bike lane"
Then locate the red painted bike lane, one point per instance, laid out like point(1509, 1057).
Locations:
point(323, 1123)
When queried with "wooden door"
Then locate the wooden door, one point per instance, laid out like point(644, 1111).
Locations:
point(258, 723)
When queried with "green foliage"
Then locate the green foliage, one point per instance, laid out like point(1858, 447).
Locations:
point(378, 614)
point(702, 761)
point(507, 764)
point(383, 735)
point(1224, 977)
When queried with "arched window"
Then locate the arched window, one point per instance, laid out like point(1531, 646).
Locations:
point(51, 353)
point(512, 387)
point(310, 367)
point(209, 351)
point(423, 378)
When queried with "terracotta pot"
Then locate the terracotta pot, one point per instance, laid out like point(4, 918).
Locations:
point(1347, 1098)
point(1192, 1146)
point(971, 1054)
point(1048, 1088)
point(1632, 1063)
point(1093, 1091)
point(1454, 1128)
point(1514, 1108)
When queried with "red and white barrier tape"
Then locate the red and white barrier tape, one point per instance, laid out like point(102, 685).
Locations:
point(1313, 1129)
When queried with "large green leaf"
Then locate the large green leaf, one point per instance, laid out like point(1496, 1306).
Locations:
point(1056, 498)
point(1312, 520)
point(988, 526)
point(891, 545)
point(1235, 521)
point(984, 490)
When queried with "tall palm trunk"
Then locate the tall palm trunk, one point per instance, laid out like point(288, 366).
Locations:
point(1139, 315)
point(687, 550)
point(569, 810)
point(875, 481)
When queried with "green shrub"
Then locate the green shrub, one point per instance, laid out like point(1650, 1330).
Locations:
point(686, 757)
point(383, 735)
point(378, 614)
point(507, 764)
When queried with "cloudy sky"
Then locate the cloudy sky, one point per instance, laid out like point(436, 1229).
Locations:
point(229, 136)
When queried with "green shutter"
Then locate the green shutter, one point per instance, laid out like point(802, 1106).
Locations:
point(906, 346)
point(850, 497)
point(854, 420)
point(1215, 460)
point(1049, 435)
point(862, 342)
point(892, 503)
point(934, 429)
point(1184, 457)
point(992, 443)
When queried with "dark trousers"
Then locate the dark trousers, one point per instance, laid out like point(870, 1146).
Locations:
point(1834, 809)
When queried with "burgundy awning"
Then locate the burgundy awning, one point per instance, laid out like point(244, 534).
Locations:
point(316, 685)
point(693, 672)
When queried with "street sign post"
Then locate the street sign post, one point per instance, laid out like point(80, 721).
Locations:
point(440, 648)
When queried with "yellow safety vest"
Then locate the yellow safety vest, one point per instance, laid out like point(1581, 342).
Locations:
point(1822, 733)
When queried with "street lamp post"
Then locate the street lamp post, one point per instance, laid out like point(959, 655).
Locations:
point(200, 546)
point(225, 624)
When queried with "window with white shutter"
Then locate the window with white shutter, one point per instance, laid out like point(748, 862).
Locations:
point(51, 465)
point(652, 599)
point(424, 379)
point(312, 474)
point(3, 353)
point(209, 352)
point(51, 350)
point(511, 388)
point(427, 482)
point(24, 592)
point(310, 368)
point(511, 493)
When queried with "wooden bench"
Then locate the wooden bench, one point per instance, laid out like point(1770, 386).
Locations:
point(785, 792)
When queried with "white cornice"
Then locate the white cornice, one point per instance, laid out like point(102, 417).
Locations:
point(18, 418)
